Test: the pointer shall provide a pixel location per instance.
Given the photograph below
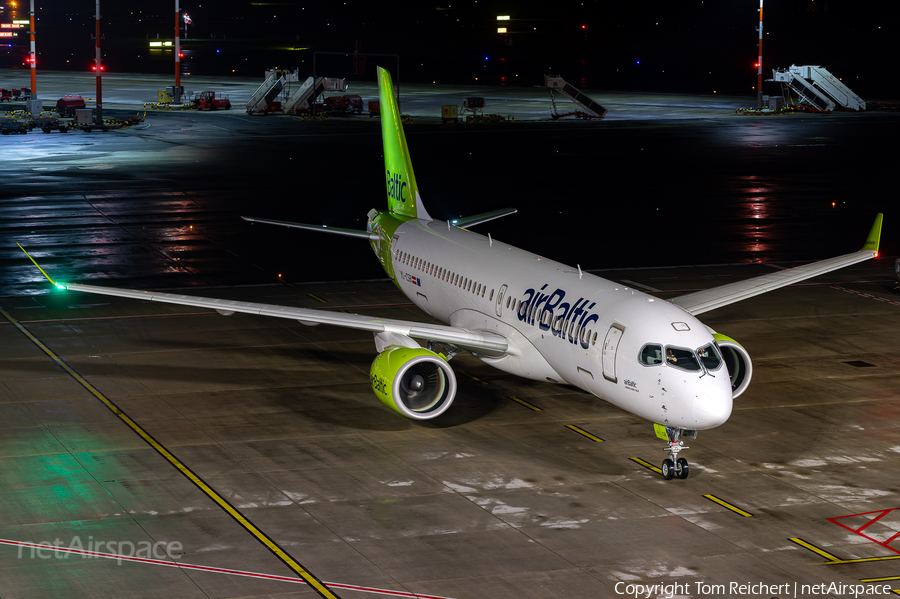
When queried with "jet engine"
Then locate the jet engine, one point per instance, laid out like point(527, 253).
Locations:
point(416, 382)
point(738, 363)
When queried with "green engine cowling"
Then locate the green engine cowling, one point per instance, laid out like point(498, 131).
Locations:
point(738, 363)
point(415, 382)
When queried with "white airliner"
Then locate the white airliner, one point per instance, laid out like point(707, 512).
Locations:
point(528, 315)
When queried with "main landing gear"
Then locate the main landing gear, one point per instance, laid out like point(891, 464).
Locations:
point(673, 466)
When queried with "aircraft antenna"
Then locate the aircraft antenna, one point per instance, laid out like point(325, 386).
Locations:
point(490, 241)
point(579, 272)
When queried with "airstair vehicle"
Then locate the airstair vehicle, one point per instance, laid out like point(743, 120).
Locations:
point(818, 88)
point(266, 93)
point(590, 109)
point(305, 96)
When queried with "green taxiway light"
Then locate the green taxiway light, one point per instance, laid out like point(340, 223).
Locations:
point(61, 286)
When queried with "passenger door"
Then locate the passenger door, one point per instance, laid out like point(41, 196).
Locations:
point(608, 353)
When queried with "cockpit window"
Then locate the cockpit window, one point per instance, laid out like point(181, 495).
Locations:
point(651, 355)
point(682, 358)
point(709, 355)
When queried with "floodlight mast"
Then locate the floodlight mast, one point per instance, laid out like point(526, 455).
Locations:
point(759, 59)
point(99, 68)
point(33, 54)
point(177, 89)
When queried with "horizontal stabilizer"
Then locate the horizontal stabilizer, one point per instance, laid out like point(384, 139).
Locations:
point(320, 228)
point(477, 219)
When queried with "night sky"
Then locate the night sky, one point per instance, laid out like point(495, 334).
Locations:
point(692, 46)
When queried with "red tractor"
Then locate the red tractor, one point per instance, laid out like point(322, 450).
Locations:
point(209, 101)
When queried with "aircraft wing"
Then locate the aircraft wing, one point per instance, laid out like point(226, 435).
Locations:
point(478, 341)
point(717, 297)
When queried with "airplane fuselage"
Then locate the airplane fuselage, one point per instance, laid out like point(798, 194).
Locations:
point(563, 326)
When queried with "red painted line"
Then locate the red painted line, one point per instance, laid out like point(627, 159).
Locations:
point(171, 564)
point(882, 514)
point(880, 299)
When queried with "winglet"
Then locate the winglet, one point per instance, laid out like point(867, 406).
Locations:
point(874, 237)
point(55, 284)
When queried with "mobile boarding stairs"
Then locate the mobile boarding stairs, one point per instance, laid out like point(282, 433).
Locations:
point(278, 83)
point(817, 88)
point(589, 108)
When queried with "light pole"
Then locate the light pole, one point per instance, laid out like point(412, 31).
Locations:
point(99, 68)
point(759, 99)
point(32, 104)
point(177, 91)
point(33, 54)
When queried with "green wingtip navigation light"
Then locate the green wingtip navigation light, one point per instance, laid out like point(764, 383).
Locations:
point(60, 286)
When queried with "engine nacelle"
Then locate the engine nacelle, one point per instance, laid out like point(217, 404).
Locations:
point(416, 382)
point(738, 363)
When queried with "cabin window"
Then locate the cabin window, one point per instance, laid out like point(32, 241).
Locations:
point(507, 300)
point(483, 289)
point(546, 317)
point(681, 358)
point(594, 342)
point(651, 355)
point(490, 299)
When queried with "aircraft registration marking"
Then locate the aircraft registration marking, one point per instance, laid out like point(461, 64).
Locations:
point(271, 545)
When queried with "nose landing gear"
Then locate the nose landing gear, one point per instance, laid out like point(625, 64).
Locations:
point(673, 466)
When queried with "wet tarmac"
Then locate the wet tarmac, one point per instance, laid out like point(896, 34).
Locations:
point(494, 499)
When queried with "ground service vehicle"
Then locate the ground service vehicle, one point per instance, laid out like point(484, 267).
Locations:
point(209, 101)
point(68, 104)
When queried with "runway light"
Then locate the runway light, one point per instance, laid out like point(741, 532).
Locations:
point(832, 204)
point(61, 286)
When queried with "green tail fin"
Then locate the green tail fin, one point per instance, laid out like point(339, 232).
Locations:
point(402, 191)
point(872, 241)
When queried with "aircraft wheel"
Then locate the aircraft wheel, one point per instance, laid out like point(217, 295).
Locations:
point(682, 469)
point(668, 469)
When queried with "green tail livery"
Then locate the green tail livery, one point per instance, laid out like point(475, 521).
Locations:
point(402, 191)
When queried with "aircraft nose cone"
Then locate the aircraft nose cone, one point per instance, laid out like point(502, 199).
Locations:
point(711, 407)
